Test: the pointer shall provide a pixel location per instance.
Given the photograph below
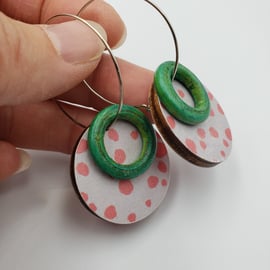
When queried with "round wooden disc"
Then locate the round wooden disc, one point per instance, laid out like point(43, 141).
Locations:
point(206, 144)
point(120, 201)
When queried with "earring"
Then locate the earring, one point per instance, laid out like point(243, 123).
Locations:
point(186, 114)
point(120, 165)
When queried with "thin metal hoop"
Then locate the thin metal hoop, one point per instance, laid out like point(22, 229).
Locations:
point(172, 32)
point(175, 44)
point(121, 99)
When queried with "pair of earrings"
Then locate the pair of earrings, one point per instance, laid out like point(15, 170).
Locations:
point(120, 164)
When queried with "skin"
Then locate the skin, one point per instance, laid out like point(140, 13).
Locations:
point(34, 121)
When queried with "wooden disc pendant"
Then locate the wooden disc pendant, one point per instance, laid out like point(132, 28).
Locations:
point(205, 144)
point(114, 200)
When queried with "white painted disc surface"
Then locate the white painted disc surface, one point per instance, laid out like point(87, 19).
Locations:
point(120, 201)
point(210, 140)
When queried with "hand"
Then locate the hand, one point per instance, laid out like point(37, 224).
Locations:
point(40, 62)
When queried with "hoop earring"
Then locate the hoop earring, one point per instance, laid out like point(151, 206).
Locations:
point(113, 186)
point(187, 114)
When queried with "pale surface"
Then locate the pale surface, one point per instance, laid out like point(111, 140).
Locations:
point(211, 219)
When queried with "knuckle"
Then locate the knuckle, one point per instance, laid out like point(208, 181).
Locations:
point(10, 55)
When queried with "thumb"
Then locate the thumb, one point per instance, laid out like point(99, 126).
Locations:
point(39, 62)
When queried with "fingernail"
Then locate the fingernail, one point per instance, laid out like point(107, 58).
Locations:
point(121, 40)
point(25, 161)
point(75, 41)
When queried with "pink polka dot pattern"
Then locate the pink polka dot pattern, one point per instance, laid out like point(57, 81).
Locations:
point(201, 132)
point(148, 203)
point(164, 182)
point(134, 134)
point(84, 196)
point(132, 217)
point(152, 181)
point(161, 150)
point(210, 140)
point(191, 145)
point(82, 147)
point(171, 121)
point(93, 207)
point(113, 134)
point(203, 145)
point(181, 93)
point(82, 169)
point(228, 134)
point(126, 187)
point(162, 167)
point(120, 156)
point(110, 212)
point(122, 201)
point(213, 132)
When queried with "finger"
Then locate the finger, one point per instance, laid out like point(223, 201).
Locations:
point(12, 160)
point(137, 82)
point(42, 126)
point(38, 11)
point(46, 61)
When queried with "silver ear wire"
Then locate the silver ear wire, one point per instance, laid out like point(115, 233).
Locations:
point(174, 39)
point(173, 34)
point(121, 99)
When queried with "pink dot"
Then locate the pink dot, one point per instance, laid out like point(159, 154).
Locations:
point(220, 109)
point(203, 145)
point(134, 134)
point(93, 207)
point(84, 196)
point(223, 154)
point(113, 134)
point(161, 150)
point(210, 95)
point(125, 187)
point(213, 132)
point(191, 145)
point(82, 147)
point(164, 182)
point(228, 134)
point(148, 203)
point(132, 217)
point(181, 93)
point(225, 142)
point(152, 181)
point(171, 121)
point(201, 132)
point(82, 169)
point(119, 156)
point(212, 113)
point(110, 212)
point(162, 167)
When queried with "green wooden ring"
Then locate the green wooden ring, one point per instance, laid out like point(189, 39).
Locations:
point(98, 151)
point(170, 99)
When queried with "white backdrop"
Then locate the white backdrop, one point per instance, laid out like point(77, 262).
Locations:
point(211, 219)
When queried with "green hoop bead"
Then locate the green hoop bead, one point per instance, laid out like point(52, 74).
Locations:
point(98, 151)
point(173, 103)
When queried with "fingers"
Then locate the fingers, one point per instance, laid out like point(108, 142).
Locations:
point(42, 126)
point(12, 160)
point(38, 11)
point(137, 82)
point(38, 58)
